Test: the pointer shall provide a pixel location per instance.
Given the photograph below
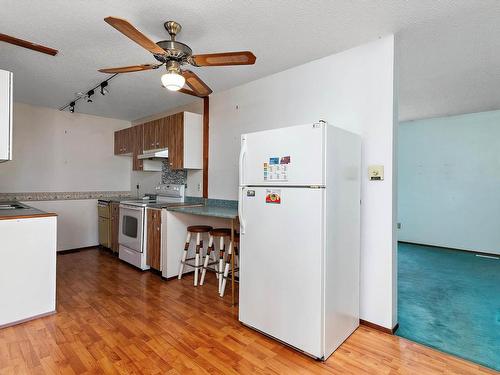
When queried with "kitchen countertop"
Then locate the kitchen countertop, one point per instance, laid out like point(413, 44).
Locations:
point(167, 205)
point(116, 199)
point(24, 213)
point(207, 210)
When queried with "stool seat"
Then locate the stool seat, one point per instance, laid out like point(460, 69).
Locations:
point(220, 232)
point(199, 228)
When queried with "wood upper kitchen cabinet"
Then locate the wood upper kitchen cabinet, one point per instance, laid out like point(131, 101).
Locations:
point(181, 134)
point(150, 135)
point(156, 134)
point(137, 147)
point(123, 141)
point(163, 135)
point(115, 225)
point(153, 242)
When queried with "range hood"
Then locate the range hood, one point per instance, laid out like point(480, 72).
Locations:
point(158, 154)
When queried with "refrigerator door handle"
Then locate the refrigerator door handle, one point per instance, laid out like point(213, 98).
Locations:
point(240, 210)
point(243, 151)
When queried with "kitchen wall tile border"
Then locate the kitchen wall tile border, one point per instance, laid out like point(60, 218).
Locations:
point(59, 196)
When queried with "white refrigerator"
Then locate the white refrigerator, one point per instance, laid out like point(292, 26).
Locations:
point(299, 209)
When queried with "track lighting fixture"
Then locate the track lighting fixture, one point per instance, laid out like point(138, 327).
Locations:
point(103, 89)
point(89, 96)
point(103, 86)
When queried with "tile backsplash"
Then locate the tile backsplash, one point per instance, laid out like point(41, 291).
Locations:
point(169, 176)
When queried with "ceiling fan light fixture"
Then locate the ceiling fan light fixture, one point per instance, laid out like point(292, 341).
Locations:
point(173, 81)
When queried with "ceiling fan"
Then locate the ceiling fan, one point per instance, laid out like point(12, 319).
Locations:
point(26, 44)
point(174, 55)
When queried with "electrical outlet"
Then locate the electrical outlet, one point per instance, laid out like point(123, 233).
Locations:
point(199, 187)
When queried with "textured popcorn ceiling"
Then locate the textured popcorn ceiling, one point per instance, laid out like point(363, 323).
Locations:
point(449, 50)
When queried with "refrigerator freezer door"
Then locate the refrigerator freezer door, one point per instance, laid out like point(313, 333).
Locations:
point(292, 156)
point(281, 265)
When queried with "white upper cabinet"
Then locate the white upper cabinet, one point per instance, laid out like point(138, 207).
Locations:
point(5, 115)
point(193, 141)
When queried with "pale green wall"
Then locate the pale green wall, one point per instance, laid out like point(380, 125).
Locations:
point(449, 181)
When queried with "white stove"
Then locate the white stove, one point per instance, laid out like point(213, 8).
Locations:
point(164, 193)
point(132, 237)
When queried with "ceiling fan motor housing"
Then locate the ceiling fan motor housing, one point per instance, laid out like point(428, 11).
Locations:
point(174, 50)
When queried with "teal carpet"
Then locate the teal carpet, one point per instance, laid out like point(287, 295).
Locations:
point(450, 300)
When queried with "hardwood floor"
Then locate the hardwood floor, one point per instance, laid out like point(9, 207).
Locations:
point(113, 319)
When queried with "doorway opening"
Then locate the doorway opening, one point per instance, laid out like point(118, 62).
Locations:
point(449, 237)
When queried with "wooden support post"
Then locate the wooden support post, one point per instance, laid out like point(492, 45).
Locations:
point(205, 145)
point(233, 299)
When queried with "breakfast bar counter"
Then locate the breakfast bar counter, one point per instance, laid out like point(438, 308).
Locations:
point(196, 211)
point(208, 210)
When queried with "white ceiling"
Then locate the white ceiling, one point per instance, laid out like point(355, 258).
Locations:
point(449, 50)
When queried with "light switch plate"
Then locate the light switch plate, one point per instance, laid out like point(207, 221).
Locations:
point(376, 172)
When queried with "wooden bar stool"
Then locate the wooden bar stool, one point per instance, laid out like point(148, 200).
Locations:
point(221, 234)
point(233, 248)
point(199, 230)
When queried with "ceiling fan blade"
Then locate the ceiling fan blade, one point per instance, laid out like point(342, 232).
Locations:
point(199, 87)
point(29, 45)
point(127, 29)
point(129, 69)
point(189, 92)
point(226, 58)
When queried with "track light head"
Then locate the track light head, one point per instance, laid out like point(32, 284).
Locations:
point(104, 90)
point(72, 107)
point(89, 96)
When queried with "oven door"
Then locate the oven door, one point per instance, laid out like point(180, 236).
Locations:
point(131, 227)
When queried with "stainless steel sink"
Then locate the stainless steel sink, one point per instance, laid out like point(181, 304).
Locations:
point(12, 206)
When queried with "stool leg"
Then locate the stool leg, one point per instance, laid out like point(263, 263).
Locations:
point(221, 261)
point(184, 255)
point(226, 270)
point(216, 266)
point(236, 260)
point(207, 259)
point(197, 260)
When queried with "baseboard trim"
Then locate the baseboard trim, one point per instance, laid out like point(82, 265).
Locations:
point(449, 248)
point(27, 319)
point(76, 250)
point(379, 328)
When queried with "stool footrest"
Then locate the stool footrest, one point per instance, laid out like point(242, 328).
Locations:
point(186, 263)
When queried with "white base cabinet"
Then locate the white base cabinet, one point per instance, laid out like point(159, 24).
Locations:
point(27, 268)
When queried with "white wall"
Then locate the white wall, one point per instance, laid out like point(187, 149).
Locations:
point(353, 90)
point(65, 152)
point(449, 181)
point(77, 224)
